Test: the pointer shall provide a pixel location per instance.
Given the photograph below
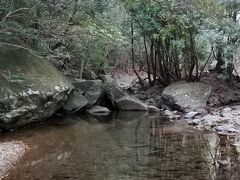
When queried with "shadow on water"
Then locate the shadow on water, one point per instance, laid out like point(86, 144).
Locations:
point(125, 146)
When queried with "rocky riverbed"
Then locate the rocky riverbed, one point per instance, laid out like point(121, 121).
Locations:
point(223, 120)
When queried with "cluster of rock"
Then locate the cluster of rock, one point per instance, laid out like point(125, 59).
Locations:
point(32, 90)
point(184, 97)
point(222, 120)
point(101, 96)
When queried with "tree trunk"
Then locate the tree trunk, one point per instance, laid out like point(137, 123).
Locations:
point(133, 55)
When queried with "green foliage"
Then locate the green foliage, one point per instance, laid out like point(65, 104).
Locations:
point(193, 28)
point(178, 34)
point(79, 30)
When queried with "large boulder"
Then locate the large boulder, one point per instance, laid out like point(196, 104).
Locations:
point(127, 103)
point(112, 92)
point(31, 88)
point(75, 103)
point(189, 95)
point(91, 89)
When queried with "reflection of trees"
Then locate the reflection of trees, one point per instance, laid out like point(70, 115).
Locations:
point(174, 153)
point(228, 160)
point(132, 146)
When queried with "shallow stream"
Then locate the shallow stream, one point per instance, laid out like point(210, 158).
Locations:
point(123, 146)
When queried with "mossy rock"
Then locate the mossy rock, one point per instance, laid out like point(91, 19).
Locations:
point(31, 88)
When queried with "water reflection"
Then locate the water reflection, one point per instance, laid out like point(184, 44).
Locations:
point(123, 146)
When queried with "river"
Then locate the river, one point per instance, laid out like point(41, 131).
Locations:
point(123, 146)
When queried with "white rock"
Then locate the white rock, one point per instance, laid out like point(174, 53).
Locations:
point(99, 111)
point(191, 115)
point(153, 109)
point(57, 88)
point(227, 109)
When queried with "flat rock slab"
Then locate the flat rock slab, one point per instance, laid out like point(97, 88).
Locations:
point(189, 95)
point(10, 153)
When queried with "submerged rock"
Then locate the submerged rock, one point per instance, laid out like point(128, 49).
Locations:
point(31, 88)
point(189, 95)
point(99, 111)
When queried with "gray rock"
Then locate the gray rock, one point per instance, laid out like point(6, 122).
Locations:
point(113, 92)
point(210, 117)
point(189, 95)
point(75, 102)
point(153, 109)
point(169, 113)
point(99, 111)
point(127, 103)
point(150, 101)
point(31, 88)
point(91, 89)
point(226, 110)
point(202, 111)
point(226, 129)
point(191, 115)
point(168, 102)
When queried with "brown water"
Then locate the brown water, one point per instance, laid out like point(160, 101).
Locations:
point(124, 146)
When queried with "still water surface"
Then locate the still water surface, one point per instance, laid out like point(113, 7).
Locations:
point(123, 146)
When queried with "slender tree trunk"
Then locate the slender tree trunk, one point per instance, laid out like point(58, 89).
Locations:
point(147, 60)
point(133, 55)
point(152, 62)
point(220, 62)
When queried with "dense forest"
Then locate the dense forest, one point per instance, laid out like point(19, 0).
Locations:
point(169, 40)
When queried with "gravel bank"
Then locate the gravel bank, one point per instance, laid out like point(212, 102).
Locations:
point(225, 120)
point(10, 153)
